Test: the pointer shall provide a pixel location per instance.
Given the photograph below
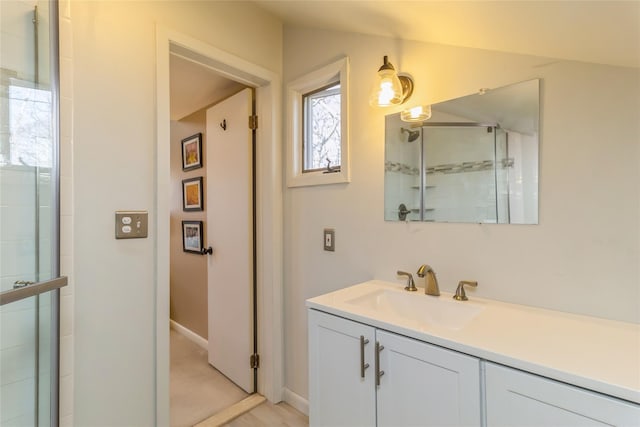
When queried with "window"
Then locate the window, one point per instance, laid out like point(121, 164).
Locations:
point(321, 130)
point(28, 116)
point(318, 127)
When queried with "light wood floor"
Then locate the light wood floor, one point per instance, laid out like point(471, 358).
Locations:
point(270, 415)
point(199, 391)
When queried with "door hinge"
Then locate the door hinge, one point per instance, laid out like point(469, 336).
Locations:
point(254, 361)
point(253, 122)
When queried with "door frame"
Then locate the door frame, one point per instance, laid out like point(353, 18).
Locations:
point(269, 196)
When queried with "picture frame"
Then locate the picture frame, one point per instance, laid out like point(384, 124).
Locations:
point(192, 236)
point(192, 152)
point(192, 196)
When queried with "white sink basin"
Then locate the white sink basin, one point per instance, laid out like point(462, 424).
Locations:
point(440, 311)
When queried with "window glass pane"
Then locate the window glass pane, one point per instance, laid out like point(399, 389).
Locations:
point(29, 122)
point(322, 129)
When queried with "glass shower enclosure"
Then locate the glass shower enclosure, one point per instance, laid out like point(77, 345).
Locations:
point(29, 213)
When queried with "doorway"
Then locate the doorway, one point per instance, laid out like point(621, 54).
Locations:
point(268, 202)
point(211, 292)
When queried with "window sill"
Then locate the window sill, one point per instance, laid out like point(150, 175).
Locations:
point(318, 178)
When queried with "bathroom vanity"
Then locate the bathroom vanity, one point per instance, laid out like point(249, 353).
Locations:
point(379, 355)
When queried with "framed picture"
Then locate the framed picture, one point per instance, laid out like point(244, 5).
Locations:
point(192, 194)
point(192, 236)
point(192, 152)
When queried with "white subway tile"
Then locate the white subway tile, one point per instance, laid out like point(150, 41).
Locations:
point(65, 37)
point(16, 400)
point(64, 9)
point(66, 355)
point(66, 395)
point(18, 363)
point(16, 223)
point(66, 196)
point(17, 327)
point(66, 117)
point(66, 315)
point(66, 157)
point(66, 77)
point(66, 421)
point(66, 236)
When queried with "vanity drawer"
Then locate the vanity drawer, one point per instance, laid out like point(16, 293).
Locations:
point(517, 398)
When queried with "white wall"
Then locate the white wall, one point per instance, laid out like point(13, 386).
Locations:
point(114, 106)
point(581, 258)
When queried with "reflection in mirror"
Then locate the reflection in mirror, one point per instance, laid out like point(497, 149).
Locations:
point(475, 160)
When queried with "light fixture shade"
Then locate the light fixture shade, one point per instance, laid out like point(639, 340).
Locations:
point(389, 89)
point(419, 113)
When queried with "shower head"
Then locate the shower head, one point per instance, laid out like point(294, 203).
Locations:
point(413, 134)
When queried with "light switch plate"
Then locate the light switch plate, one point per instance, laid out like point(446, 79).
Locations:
point(329, 239)
point(131, 224)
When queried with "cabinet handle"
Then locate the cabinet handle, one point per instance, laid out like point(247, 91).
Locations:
point(363, 366)
point(379, 373)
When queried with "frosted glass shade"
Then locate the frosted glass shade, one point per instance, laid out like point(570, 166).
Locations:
point(419, 113)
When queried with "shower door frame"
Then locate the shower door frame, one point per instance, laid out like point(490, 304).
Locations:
point(54, 284)
point(423, 168)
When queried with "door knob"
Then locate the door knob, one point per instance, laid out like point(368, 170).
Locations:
point(205, 251)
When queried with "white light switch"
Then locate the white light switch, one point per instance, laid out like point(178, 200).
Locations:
point(131, 224)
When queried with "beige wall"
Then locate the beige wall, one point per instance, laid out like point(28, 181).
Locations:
point(581, 258)
point(114, 154)
point(188, 271)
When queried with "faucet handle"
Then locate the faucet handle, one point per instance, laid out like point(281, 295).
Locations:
point(411, 285)
point(460, 293)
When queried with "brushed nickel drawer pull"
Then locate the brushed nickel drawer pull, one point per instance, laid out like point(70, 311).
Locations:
point(379, 373)
point(363, 366)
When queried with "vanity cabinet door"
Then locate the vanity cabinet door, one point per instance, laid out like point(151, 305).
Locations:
point(339, 395)
point(426, 385)
point(516, 398)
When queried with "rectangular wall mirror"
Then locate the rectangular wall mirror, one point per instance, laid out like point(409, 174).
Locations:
point(475, 160)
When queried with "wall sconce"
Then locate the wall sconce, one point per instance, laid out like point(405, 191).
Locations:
point(390, 88)
point(418, 113)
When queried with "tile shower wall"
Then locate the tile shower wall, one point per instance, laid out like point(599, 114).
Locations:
point(448, 152)
point(17, 321)
point(17, 194)
point(18, 207)
point(402, 171)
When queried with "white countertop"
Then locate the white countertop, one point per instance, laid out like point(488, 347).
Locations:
point(597, 354)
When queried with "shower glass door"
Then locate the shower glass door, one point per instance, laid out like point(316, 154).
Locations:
point(28, 213)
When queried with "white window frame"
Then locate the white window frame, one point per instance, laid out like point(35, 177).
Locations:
point(332, 73)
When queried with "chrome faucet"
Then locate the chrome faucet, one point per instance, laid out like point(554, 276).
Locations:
point(431, 282)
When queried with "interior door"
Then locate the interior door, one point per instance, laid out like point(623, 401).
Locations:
point(229, 231)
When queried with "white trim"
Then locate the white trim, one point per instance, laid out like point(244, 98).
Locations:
point(189, 334)
point(269, 195)
point(296, 401)
point(295, 91)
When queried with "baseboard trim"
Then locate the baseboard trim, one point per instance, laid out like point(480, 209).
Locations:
point(189, 334)
point(232, 412)
point(297, 401)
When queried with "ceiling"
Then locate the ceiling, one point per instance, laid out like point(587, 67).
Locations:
point(194, 86)
point(604, 32)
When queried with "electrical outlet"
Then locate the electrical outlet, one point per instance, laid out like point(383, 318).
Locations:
point(329, 239)
point(131, 224)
